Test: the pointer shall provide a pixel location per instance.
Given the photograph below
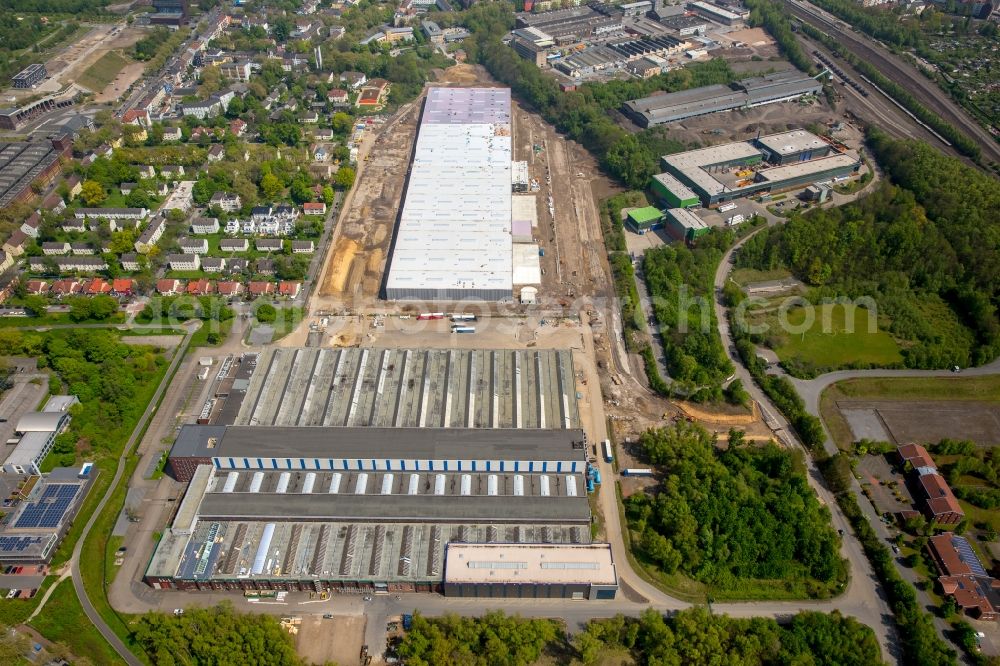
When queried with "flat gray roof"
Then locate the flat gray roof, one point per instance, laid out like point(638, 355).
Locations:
point(475, 388)
point(40, 422)
point(394, 508)
point(402, 443)
point(795, 141)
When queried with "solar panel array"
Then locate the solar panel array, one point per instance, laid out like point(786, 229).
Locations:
point(17, 544)
point(48, 510)
point(967, 555)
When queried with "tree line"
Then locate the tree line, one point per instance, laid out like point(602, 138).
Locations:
point(709, 516)
point(693, 636)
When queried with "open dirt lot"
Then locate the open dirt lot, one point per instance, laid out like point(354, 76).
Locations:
point(901, 421)
point(337, 640)
point(68, 65)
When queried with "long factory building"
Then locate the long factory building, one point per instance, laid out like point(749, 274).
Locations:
point(474, 388)
point(453, 240)
point(744, 94)
point(373, 509)
point(764, 165)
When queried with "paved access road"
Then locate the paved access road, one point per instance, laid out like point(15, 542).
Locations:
point(81, 591)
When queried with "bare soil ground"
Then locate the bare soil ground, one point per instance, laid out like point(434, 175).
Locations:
point(336, 640)
point(125, 78)
point(924, 421)
point(66, 67)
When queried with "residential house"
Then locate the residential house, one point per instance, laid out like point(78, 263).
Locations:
point(138, 117)
point(238, 265)
point(172, 133)
point(248, 227)
point(232, 226)
point(16, 243)
point(916, 456)
point(234, 245)
point(940, 504)
point(261, 214)
point(127, 188)
point(229, 288)
point(268, 244)
point(172, 171)
point(206, 108)
point(323, 134)
point(113, 216)
point(353, 79)
point(337, 31)
point(66, 264)
point(264, 266)
point(130, 262)
point(319, 153)
point(193, 245)
point(303, 247)
point(205, 225)
point(122, 286)
point(30, 225)
point(73, 226)
point(97, 287)
point(256, 289)
point(104, 150)
point(66, 287)
point(54, 203)
point(151, 234)
point(213, 264)
point(238, 127)
point(184, 262)
point(36, 287)
point(310, 117)
point(337, 97)
point(6, 261)
point(226, 201)
point(216, 153)
point(81, 249)
point(963, 577)
point(74, 185)
point(168, 287)
point(314, 208)
point(145, 172)
point(237, 71)
point(289, 288)
point(200, 287)
point(433, 31)
point(52, 248)
point(373, 94)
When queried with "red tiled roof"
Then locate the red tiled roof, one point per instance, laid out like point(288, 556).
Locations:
point(287, 288)
point(948, 559)
point(916, 455)
point(257, 288)
point(121, 286)
point(940, 499)
point(36, 286)
point(166, 286)
point(98, 286)
point(229, 288)
point(199, 287)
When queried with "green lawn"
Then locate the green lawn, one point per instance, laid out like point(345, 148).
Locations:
point(104, 71)
point(56, 319)
point(745, 276)
point(838, 336)
point(63, 620)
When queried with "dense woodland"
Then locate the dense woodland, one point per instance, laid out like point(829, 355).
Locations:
point(216, 635)
point(927, 249)
point(681, 282)
point(110, 378)
point(707, 516)
point(690, 637)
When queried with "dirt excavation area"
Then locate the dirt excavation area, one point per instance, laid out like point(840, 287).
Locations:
point(73, 61)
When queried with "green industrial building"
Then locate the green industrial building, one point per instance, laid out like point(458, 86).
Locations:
point(641, 220)
point(685, 225)
point(673, 192)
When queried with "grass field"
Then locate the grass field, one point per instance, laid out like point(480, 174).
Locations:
point(63, 621)
point(745, 276)
point(101, 73)
point(985, 388)
point(828, 337)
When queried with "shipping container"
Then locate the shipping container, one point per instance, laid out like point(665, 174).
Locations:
point(430, 315)
point(463, 329)
point(606, 447)
point(636, 471)
point(463, 317)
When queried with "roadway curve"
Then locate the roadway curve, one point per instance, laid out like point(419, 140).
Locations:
point(892, 66)
point(81, 592)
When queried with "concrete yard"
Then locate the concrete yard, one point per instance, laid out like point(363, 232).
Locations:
point(413, 388)
point(334, 640)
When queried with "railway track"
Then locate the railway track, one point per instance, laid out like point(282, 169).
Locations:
point(925, 90)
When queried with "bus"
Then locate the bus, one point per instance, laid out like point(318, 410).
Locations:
point(606, 446)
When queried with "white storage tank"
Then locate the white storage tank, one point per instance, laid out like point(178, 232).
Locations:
point(414, 484)
point(491, 484)
point(307, 485)
point(387, 484)
point(518, 485)
point(361, 484)
point(466, 484)
point(256, 482)
point(260, 558)
point(439, 484)
point(571, 486)
point(543, 482)
point(335, 483)
point(230, 483)
point(283, 482)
